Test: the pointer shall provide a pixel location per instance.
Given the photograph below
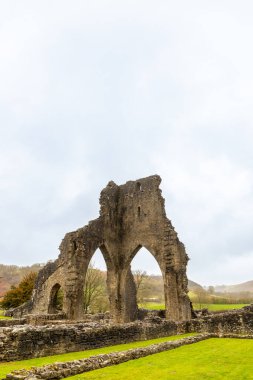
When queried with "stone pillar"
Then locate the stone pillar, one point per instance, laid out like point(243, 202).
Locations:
point(171, 296)
point(130, 299)
point(122, 295)
point(184, 304)
point(113, 287)
point(74, 299)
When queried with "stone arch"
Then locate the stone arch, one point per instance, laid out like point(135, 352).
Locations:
point(131, 215)
point(105, 253)
point(93, 278)
point(174, 286)
point(128, 285)
point(54, 305)
point(151, 250)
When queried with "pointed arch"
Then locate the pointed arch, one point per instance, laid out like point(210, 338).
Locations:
point(55, 299)
point(105, 253)
point(95, 289)
point(149, 249)
point(147, 273)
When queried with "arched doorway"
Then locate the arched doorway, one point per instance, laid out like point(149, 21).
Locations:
point(95, 285)
point(148, 280)
point(56, 299)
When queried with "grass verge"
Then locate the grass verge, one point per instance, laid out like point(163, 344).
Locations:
point(8, 367)
point(210, 359)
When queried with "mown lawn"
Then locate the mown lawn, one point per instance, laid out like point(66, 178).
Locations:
point(2, 315)
point(211, 307)
point(8, 367)
point(219, 359)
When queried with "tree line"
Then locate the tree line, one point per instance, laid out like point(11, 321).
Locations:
point(149, 289)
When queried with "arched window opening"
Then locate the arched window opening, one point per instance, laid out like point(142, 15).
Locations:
point(138, 186)
point(148, 280)
point(139, 211)
point(56, 300)
point(95, 287)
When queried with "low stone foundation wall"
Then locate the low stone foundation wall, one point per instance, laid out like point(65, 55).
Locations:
point(234, 322)
point(12, 322)
point(24, 342)
point(44, 319)
point(71, 368)
point(29, 341)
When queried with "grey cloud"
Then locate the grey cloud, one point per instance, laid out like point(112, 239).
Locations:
point(94, 91)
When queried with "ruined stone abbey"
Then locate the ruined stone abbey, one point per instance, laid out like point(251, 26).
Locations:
point(131, 216)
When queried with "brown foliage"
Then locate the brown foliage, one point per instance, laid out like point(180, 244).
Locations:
point(18, 295)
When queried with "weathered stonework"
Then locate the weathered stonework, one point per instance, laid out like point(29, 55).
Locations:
point(27, 341)
point(239, 322)
point(131, 216)
point(30, 341)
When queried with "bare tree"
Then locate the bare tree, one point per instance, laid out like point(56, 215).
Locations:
point(201, 297)
point(95, 297)
point(139, 278)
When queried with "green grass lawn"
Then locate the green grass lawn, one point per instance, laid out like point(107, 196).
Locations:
point(211, 307)
point(8, 367)
point(2, 314)
point(3, 317)
point(219, 359)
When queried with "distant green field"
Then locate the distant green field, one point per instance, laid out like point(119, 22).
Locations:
point(152, 306)
point(218, 359)
point(211, 307)
point(219, 307)
point(8, 367)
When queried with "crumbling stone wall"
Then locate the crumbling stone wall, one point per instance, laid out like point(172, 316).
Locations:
point(12, 322)
point(131, 216)
point(27, 341)
point(24, 342)
point(232, 322)
point(61, 370)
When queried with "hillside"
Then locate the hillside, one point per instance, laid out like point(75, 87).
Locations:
point(193, 285)
point(11, 275)
point(238, 288)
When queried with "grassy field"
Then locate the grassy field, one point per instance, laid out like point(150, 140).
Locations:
point(2, 315)
point(211, 307)
point(8, 367)
point(218, 359)
point(219, 307)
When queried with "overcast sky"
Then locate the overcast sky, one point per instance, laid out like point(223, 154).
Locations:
point(92, 91)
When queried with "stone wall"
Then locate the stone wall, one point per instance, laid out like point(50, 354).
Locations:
point(12, 322)
point(233, 322)
point(71, 368)
point(28, 341)
point(23, 342)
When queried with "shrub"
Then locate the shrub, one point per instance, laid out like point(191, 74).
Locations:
point(16, 296)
